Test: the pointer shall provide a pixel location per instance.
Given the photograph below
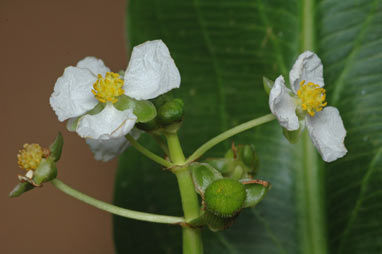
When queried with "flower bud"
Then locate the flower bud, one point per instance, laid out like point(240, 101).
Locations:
point(268, 84)
point(247, 155)
point(171, 112)
point(224, 197)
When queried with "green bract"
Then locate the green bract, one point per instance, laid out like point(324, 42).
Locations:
point(225, 197)
point(56, 147)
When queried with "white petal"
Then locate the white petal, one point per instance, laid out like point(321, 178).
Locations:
point(283, 106)
point(95, 65)
point(72, 94)
point(327, 133)
point(307, 67)
point(109, 123)
point(151, 71)
point(105, 150)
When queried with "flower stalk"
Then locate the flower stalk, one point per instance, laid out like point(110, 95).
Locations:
point(131, 214)
point(192, 240)
point(148, 153)
point(227, 134)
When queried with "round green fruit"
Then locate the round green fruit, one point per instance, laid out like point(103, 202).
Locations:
point(225, 197)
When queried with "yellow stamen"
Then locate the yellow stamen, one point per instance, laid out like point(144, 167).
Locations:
point(30, 156)
point(109, 88)
point(312, 97)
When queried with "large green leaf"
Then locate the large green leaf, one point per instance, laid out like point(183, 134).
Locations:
point(222, 49)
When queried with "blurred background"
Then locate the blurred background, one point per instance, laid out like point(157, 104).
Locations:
point(38, 39)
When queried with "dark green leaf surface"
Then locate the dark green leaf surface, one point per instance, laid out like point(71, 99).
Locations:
point(223, 49)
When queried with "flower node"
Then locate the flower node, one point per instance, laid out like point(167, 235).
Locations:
point(30, 156)
point(109, 88)
point(312, 97)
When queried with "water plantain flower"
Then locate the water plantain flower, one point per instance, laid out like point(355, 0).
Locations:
point(87, 94)
point(305, 104)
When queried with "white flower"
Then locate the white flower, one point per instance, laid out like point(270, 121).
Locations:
point(307, 98)
point(105, 150)
point(150, 73)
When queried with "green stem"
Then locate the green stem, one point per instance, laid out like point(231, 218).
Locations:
point(147, 153)
point(115, 209)
point(192, 240)
point(227, 134)
point(313, 231)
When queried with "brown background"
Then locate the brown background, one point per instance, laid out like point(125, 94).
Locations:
point(38, 39)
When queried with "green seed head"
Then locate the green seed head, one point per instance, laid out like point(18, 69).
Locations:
point(224, 197)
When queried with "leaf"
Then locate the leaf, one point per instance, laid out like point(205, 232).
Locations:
point(223, 49)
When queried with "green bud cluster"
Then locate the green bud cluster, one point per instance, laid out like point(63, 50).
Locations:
point(169, 116)
point(239, 162)
point(224, 197)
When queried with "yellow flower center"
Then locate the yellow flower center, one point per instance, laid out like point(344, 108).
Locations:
point(108, 88)
point(30, 156)
point(312, 97)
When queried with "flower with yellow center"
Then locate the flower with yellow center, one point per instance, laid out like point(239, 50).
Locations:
point(86, 94)
point(307, 98)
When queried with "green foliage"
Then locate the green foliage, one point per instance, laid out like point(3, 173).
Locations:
point(223, 49)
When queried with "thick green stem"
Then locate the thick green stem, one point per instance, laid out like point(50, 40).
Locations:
point(192, 240)
point(229, 133)
point(115, 209)
point(147, 153)
point(313, 231)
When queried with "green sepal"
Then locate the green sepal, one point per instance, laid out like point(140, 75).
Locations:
point(56, 148)
point(45, 172)
point(214, 223)
point(72, 123)
point(162, 99)
point(220, 164)
point(268, 84)
point(121, 74)
point(144, 110)
point(171, 112)
point(97, 109)
point(224, 197)
point(148, 126)
point(203, 175)
point(294, 136)
point(255, 192)
point(20, 188)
